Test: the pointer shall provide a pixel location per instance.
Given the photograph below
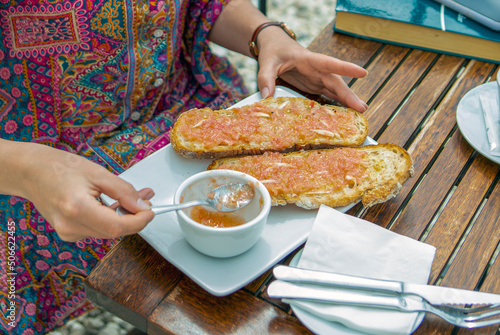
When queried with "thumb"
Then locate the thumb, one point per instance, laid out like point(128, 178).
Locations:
point(125, 193)
point(266, 79)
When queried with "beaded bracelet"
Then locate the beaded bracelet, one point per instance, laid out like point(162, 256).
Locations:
point(254, 50)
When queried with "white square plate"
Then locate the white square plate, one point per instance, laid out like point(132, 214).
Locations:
point(287, 227)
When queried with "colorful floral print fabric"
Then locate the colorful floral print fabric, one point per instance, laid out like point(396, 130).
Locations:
point(106, 80)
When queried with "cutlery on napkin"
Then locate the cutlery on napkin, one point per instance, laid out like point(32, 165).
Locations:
point(491, 112)
point(291, 282)
point(348, 245)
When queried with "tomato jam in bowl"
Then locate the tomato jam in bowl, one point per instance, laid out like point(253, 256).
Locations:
point(222, 234)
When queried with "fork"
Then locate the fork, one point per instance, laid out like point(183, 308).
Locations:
point(466, 317)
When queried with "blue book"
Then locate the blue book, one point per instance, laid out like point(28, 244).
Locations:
point(423, 24)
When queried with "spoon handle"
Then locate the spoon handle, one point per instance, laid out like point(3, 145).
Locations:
point(166, 208)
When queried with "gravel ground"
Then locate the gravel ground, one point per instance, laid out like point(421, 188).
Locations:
point(306, 18)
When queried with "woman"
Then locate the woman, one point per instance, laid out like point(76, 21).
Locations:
point(87, 89)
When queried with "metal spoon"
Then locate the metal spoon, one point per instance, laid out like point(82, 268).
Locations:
point(225, 198)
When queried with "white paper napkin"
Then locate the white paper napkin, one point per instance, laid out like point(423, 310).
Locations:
point(346, 244)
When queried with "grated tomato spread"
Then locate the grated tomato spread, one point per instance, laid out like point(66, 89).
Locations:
point(279, 127)
point(317, 171)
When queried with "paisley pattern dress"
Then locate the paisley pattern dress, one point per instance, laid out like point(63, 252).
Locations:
point(104, 79)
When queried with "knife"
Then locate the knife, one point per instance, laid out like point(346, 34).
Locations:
point(287, 290)
point(437, 295)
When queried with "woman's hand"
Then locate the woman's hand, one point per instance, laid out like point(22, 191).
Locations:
point(64, 188)
point(281, 56)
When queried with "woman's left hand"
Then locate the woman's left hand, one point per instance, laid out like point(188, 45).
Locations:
point(281, 56)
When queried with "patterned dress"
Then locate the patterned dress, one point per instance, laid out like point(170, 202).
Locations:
point(104, 79)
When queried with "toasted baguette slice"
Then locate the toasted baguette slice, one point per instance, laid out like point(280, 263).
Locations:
point(273, 124)
point(333, 177)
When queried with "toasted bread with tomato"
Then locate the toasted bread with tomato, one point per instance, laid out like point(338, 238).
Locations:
point(274, 124)
point(334, 177)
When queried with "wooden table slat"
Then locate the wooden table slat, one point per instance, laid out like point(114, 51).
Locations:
point(422, 100)
point(189, 310)
point(379, 70)
point(481, 242)
point(445, 171)
point(342, 47)
point(484, 236)
point(491, 282)
point(431, 138)
point(397, 87)
point(454, 220)
point(132, 273)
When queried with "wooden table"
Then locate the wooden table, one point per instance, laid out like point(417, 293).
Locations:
point(452, 203)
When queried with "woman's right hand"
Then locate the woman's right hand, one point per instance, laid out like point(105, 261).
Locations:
point(65, 187)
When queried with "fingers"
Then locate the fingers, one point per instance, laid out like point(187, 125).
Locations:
point(146, 194)
point(96, 220)
point(72, 208)
point(266, 78)
point(329, 70)
point(106, 223)
point(337, 89)
point(124, 192)
point(327, 64)
point(312, 73)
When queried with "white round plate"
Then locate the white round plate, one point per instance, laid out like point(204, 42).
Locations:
point(320, 326)
point(470, 119)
